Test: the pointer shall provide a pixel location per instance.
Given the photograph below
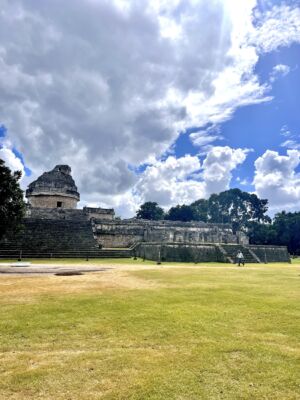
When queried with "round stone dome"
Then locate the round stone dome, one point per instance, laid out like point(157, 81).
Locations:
point(54, 189)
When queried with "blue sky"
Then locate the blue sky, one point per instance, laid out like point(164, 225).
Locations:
point(260, 126)
point(168, 101)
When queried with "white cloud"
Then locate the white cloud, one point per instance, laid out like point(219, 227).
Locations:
point(166, 182)
point(285, 131)
point(244, 182)
point(183, 180)
point(101, 85)
point(205, 137)
point(292, 139)
point(278, 27)
point(291, 144)
point(218, 167)
point(278, 71)
point(11, 160)
point(276, 179)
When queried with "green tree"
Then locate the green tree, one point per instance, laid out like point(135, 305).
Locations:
point(261, 233)
point(12, 206)
point(238, 208)
point(150, 210)
point(181, 213)
point(287, 228)
point(200, 208)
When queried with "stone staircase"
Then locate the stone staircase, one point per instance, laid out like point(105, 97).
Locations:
point(230, 251)
point(56, 238)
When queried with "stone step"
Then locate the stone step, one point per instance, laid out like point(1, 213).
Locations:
point(232, 250)
point(50, 236)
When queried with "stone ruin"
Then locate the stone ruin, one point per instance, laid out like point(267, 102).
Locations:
point(54, 227)
point(54, 189)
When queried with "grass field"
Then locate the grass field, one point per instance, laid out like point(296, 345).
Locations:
point(131, 261)
point(152, 332)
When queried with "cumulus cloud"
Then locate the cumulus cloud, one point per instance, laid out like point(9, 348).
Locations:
point(166, 182)
point(11, 160)
point(277, 180)
point(218, 167)
point(102, 85)
point(183, 180)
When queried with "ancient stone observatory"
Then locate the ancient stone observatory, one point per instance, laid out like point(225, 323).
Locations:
point(54, 189)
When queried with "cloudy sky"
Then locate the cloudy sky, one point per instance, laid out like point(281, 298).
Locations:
point(163, 100)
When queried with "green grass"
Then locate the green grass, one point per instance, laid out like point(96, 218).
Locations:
point(172, 333)
point(125, 261)
point(295, 260)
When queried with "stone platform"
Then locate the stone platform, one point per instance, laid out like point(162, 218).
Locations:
point(211, 252)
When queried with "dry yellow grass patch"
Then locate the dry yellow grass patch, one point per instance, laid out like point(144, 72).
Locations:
point(25, 288)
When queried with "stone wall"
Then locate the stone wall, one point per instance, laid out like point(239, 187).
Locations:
point(99, 213)
point(67, 213)
point(118, 233)
point(271, 253)
point(183, 252)
point(55, 213)
point(180, 252)
point(125, 233)
point(51, 201)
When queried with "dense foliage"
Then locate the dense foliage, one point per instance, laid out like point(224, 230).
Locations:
point(150, 210)
point(232, 206)
point(287, 228)
point(12, 204)
point(237, 208)
point(201, 210)
point(283, 231)
point(181, 213)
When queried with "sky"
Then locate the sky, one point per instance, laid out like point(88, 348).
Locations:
point(159, 100)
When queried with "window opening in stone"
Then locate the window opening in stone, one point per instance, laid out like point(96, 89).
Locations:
point(59, 204)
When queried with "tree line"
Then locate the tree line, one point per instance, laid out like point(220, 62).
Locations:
point(244, 211)
point(231, 206)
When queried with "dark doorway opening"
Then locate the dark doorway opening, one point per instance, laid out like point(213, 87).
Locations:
point(59, 204)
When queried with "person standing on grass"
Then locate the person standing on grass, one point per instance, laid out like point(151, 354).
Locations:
point(240, 258)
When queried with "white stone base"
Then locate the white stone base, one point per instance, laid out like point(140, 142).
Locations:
point(20, 264)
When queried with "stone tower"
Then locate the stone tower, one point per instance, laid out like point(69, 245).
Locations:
point(54, 189)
